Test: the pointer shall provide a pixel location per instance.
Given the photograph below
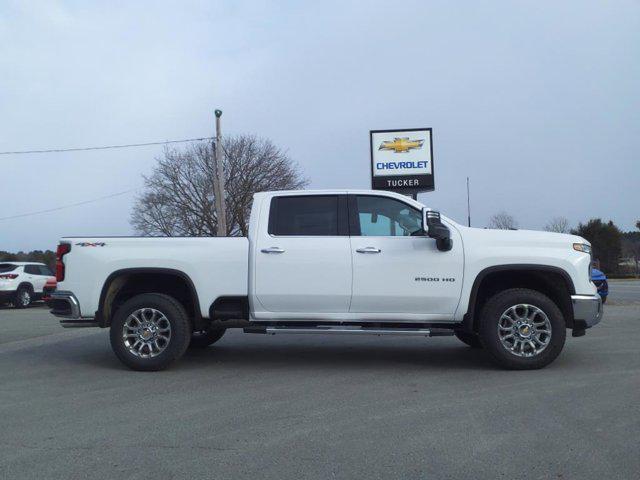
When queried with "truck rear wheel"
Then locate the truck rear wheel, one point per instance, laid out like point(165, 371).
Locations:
point(522, 329)
point(204, 338)
point(150, 331)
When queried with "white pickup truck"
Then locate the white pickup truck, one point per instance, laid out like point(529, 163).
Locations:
point(332, 262)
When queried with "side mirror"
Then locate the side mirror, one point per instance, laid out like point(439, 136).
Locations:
point(434, 228)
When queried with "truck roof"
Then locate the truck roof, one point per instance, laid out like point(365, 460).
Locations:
point(343, 191)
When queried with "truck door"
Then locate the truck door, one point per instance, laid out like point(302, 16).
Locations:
point(396, 269)
point(303, 259)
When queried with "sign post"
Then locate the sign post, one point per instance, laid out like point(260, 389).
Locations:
point(218, 180)
point(402, 160)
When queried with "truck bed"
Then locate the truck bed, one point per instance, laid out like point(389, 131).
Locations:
point(217, 266)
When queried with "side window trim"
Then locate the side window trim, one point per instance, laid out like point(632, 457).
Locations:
point(354, 219)
point(342, 215)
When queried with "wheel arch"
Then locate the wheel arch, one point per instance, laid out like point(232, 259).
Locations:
point(550, 280)
point(25, 285)
point(122, 284)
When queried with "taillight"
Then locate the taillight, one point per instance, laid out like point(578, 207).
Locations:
point(63, 249)
point(8, 276)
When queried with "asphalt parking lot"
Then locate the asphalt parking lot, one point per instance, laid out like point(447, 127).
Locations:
point(256, 406)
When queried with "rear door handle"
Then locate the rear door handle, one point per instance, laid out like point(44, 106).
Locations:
point(272, 250)
point(368, 250)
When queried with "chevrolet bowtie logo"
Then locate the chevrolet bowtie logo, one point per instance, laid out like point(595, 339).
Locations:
point(401, 144)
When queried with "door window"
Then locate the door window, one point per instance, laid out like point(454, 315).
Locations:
point(310, 215)
point(31, 270)
point(387, 217)
point(44, 270)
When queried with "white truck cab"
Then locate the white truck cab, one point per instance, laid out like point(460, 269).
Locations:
point(332, 262)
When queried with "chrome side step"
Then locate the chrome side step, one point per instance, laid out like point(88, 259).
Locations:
point(354, 330)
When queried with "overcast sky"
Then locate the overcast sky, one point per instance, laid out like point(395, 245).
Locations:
point(537, 102)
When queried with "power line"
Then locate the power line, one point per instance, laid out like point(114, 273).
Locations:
point(64, 207)
point(79, 149)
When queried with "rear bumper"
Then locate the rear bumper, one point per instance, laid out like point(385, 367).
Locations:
point(587, 310)
point(65, 305)
point(7, 295)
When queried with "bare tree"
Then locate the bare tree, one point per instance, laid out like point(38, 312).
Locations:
point(558, 225)
point(502, 221)
point(178, 198)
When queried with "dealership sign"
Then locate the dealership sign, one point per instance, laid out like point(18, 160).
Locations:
point(402, 160)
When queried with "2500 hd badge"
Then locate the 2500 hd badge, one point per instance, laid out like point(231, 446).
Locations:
point(435, 279)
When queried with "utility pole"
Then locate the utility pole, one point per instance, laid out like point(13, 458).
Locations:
point(218, 180)
point(468, 204)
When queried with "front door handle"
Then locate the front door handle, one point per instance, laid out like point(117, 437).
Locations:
point(368, 250)
point(272, 250)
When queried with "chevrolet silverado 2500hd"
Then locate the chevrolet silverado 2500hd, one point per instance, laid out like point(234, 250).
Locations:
point(332, 262)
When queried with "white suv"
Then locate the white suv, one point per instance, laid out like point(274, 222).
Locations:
point(23, 282)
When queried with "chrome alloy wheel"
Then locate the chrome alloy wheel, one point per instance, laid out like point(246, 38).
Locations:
point(146, 332)
point(524, 330)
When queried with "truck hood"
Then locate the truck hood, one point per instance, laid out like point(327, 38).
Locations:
point(523, 237)
point(520, 238)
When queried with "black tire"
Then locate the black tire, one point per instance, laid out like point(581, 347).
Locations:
point(469, 339)
point(23, 297)
point(204, 338)
point(493, 311)
point(180, 332)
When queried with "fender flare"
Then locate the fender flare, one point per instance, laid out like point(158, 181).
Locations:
point(468, 319)
point(26, 284)
point(132, 271)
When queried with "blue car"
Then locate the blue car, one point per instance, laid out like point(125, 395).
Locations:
point(600, 280)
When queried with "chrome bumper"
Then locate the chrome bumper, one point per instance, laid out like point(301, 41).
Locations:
point(587, 309)
point(65, 305)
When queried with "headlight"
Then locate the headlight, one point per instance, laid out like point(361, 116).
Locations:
point(582, 247)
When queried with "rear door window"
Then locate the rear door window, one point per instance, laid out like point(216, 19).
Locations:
point(32, 269)
point(309, 215)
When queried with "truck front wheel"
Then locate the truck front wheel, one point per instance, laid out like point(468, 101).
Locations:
point(150, 331)
point(522, 329)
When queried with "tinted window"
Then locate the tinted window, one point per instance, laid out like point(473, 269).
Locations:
point(32, 269)
point(315, 215)
point(386, 217)
point(7, 267)
point(44, 270)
